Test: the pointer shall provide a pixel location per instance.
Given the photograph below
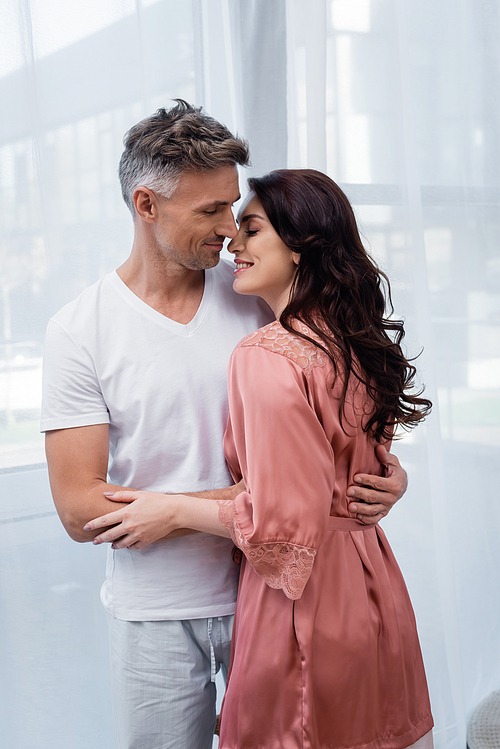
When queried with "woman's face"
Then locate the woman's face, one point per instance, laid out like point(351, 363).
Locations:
point(265, 266)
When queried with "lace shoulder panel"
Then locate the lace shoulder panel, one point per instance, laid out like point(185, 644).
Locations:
point(275, 338)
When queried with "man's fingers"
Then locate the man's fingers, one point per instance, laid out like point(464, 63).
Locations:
point(367, 511)
point(393, 470)
point(368, 514)
point(371, 520)
point(379, 483)
point(370, 492)
point(381, 492)
point(385, 457)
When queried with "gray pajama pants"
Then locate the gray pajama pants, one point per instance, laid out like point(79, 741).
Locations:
point(163, 681)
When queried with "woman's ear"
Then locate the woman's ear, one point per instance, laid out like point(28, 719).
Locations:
point(296, 257)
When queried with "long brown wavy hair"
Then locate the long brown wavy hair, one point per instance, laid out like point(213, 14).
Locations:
point(341, 295)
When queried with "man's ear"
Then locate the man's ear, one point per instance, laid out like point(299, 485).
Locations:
point(145, 204)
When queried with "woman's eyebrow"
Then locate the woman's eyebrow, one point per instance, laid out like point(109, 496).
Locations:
point(248, 216)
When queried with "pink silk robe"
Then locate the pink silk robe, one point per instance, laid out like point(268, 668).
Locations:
point(325, 649)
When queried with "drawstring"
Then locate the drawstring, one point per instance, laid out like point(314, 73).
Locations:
point(214, 667)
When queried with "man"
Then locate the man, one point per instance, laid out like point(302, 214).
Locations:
point(136, 367)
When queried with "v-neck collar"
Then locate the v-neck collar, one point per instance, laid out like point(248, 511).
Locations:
point(157, 317)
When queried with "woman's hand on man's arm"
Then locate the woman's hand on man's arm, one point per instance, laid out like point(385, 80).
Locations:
point(377, 495)
point(151, 516)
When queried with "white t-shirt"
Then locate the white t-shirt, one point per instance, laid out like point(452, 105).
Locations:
point(110, 358)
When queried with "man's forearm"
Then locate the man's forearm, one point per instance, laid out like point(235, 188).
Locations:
point(92, 503)
point(227, 492)
point(79, 506)
point(77, 460)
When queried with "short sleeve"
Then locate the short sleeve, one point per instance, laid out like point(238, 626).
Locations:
point(276, 439)
point(71, 396)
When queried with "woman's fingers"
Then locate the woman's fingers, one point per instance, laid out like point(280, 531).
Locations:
point(111, 518)
point(115, 534)
point(136, 545)
point(112, 535)
point(120, 537)
point(122, 496)
point(138, 524)
point(118, 533)
point(107, 538)
point(126, 542)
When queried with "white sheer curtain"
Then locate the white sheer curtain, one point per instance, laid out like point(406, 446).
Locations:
point(398, 100)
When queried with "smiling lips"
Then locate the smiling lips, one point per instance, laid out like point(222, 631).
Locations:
point(241, 265)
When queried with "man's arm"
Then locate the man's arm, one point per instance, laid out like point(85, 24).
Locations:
point(150, 514)
point(78, 463)
point(144, 519)
point(77, 460)
point(377, 495)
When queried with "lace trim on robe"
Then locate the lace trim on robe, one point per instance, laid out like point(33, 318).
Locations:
point(283, 565)
point(275, 338)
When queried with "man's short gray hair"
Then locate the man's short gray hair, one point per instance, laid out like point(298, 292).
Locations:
point(159, 148)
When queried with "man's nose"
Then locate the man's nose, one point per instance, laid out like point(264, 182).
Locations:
point(228, 228)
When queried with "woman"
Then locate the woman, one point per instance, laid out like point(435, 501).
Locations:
point(325, 650)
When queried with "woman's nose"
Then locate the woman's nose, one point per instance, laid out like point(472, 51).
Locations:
point(234, 245)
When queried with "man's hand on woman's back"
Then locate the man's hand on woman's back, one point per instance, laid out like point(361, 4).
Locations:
point(377, 495)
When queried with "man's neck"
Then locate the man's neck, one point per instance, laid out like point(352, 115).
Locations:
point(172, 291)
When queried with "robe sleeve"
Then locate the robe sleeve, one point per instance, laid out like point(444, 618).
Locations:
point(276, 440)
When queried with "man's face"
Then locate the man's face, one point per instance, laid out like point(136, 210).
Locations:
point(193, 223)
